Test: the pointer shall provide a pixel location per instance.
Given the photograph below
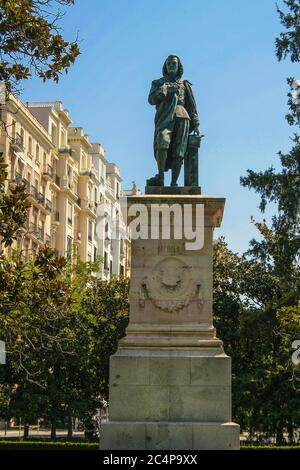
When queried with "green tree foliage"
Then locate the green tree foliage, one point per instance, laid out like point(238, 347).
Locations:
point(31, 41)
point(36, 324)
point(258, 293)
point(246, 313)
point(60, 324)
point(105, 308)
point(289, 330)
point(280, 246)
point(288, 42)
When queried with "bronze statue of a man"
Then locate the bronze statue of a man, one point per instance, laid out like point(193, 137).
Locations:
point(176, 117)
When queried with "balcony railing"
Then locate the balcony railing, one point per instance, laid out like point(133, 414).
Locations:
point(33, 228)
point(18, 178)
point(48, 205)
point(34, 192)
point(17, 142)
point(57, 180)
point(65, 150)
point(48, 170)
point(48, 239)
point(122, 248)
point(72, 187)
point(40, 234)
point(27, 184)
point(41, 199)
point(92, 206)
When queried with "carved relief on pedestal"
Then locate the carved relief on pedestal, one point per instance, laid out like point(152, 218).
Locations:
point(170, 286)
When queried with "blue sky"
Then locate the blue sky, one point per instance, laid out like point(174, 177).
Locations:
point(227, 49)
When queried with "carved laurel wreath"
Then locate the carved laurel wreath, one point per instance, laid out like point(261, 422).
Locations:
point(170, 286)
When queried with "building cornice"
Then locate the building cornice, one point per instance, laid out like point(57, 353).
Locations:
point(14, 105)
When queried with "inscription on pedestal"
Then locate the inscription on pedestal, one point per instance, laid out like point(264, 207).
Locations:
point(177, 248)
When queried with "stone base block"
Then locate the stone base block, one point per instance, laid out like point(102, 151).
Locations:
point(170, 386)
point(175, 399)
point(172, 190)
point(122, 435)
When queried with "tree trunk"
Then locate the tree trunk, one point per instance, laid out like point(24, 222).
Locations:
point(291, 435)
point(53, 431)
point(88, 429)
point(26, 430)
point(279, 438)
point(70, 427)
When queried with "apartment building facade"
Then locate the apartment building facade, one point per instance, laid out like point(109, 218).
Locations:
point(111, 233)
point(68, 180)
point(28, 152)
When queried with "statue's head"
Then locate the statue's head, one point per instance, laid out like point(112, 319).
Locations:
point(172, 67)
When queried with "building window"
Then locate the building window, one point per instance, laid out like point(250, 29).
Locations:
point(36, 188)
point(53, 134)
point(54, 164)
point(69, 175)
point(75, 186)
point(105, 260)
point(70, 210)
point(34, 226)
point(111, 267)
point(69, 247)
point(83, 161)
point(34, 249)
point(95, 253)
point(44, 160)
point(62, 138)
point(121, 270)
point(37, 154)
point(26, 249)
point(90, 233)
point(42, 231)
point(22, 135)
point(30, 147)
point(13, 129)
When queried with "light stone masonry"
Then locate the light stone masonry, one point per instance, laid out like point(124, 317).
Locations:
point(170, 380)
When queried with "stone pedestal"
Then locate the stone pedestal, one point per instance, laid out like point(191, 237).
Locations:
point(170, 380)
point(171, 190)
